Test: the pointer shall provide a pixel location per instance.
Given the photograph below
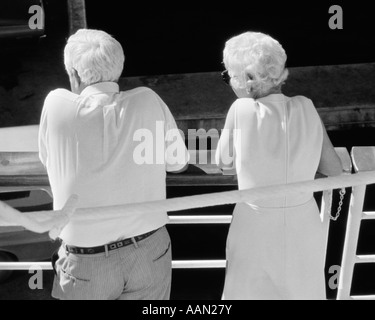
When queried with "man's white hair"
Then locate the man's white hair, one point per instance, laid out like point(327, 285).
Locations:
point(261, 60)
point(95, 55)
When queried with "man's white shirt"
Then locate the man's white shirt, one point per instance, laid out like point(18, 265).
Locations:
point(110, 148)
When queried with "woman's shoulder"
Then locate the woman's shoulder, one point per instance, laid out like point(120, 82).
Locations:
point(242, 107)
point(244, 101)
point(302, 104)
point(301, 100)
point(305, 107)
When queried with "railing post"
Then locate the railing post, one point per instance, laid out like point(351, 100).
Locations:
point(351, 242)
point(363, 160)
point(327, 197)
point(77, 15)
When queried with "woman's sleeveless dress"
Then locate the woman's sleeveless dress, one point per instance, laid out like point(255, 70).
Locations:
point(276, 247)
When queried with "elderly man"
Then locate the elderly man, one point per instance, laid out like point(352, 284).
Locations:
point(88, 142)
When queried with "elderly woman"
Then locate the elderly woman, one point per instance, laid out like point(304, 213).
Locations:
point(276, 247)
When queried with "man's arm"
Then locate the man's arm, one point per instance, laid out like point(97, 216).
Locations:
point(42, 136)
point(225, 147)
point(184, 169)
point(177, 156)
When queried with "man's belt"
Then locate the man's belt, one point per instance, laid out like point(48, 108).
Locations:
point(108, 247)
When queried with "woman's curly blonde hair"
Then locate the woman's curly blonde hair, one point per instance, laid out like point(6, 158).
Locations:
point(261, 60)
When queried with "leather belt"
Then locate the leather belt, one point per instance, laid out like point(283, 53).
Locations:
point(108, 247)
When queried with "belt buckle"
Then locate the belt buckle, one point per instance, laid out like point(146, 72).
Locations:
point(69, 249)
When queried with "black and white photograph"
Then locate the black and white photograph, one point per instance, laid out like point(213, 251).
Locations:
point(187, 155)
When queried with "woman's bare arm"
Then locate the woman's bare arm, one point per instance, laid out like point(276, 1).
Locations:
point(330, 163)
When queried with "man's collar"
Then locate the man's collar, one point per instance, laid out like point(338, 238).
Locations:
point(101, 87)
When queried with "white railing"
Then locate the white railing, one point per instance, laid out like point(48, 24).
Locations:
point(363, 160)
point(357, 181)
point(221, 198)
point(179, 264)
point(176, 264)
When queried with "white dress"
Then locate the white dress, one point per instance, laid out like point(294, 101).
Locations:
point(276, 247)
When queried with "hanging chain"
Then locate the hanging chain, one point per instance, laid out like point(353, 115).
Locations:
point(337, 216)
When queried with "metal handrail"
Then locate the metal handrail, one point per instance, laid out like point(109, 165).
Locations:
point(177, 264)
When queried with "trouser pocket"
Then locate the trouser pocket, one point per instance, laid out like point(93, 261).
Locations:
point(164, 253)
point(54, 258)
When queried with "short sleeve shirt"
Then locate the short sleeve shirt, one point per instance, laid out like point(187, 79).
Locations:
point(110, 148)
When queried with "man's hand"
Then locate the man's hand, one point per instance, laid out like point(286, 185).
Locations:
point(39, 222)
point(184, 169)
point(67, 212)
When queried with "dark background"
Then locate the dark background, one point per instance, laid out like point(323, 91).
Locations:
point(188, 36)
